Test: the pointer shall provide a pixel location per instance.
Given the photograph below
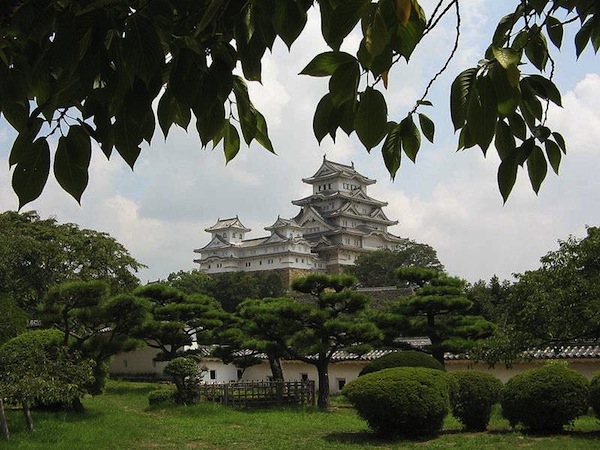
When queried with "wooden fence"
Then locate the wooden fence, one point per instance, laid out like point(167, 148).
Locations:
point(260, 393)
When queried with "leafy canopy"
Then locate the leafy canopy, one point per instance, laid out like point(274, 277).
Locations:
point(77, 73)
point(36, 254)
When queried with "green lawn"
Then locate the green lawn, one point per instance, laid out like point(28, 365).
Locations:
point(121, 419)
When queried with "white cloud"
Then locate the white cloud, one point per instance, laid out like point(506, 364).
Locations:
point(447, 200)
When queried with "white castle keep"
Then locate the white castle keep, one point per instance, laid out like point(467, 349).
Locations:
point(335, 225)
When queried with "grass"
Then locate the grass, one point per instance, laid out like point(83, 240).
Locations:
point(121, 419)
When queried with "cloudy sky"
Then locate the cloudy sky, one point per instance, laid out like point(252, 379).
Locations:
point(449, 200)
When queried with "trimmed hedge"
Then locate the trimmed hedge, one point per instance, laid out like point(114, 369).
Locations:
point(545, 399)
point(403, 401)
point(595, 394)
point(475, 394)
point(161, 396)
point(410, 358)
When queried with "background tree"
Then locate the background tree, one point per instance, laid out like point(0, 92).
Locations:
point(377, 268)
point(491, 299)
point(14, 319)
point(36, 367)
point(192, 282)
point(555, 305)
point(178, 320)
point(439, 310)
point(82, 83)
point(94, 324)
point(312, 331)
point(36, 254)
point(230, 289)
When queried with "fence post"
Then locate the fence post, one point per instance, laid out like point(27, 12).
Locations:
point(225, 394)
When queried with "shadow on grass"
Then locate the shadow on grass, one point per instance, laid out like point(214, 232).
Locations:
point(131, 388)
point(369, 438)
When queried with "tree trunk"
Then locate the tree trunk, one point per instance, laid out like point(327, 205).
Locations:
point(3, 423)
point(27, 414)
point(323, 372)
point(276, 369)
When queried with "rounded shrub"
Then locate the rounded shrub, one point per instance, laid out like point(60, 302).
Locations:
point(475, 395)
point(410, 358)
point(545, 399)
point(595, 394)
point(161, 396)
point(402, 401)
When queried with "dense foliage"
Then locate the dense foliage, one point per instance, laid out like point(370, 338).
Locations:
point(406, 401)
point(14, 319)
point(186, 375)
point(409, 358)
point(230, 288)
point(545, 399)
point(377, 268)
point(313, 331)
point(88, 72)
point(93, 323)
point(36, 368)
point(555, 305)
point(439, 310)
point(177, 320)
point(36, 254)
point(595, 394)
point(475, 395)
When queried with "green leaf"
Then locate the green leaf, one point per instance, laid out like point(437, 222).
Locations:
point(289, 20)
point(377, 35)
point(507, 176)
point(427, 127)
point(262, 133)
point(517, 126)
point(554, 154)
point(503, 29)
point(210, 120)
point(508, 95)
point(392, 150)
point(406, 37)
point(483, 113)
point(231, 141)
point(583, 36)
point(142, 49)
point(371, 118)
point(507, 57)
point(560, 141)
point(72, 160)
point(411, 138)
point(31, 173)
point(326, 64)
point(246, 110)
point(537, 168)
point(343, 84)
point(504, 141)
point(465, 139)
point(321, 117)
point(347, 112)
point(544, 88)
point(536, 49)
point(17, 114)
point(209, 14)
point(524, 151)
point(554, 28)
point(530, 105)
point(128, 137)
point(459, 95)
point(24, 141)
point(344, 18)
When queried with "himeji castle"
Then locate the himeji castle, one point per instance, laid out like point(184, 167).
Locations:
point(336, 224)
